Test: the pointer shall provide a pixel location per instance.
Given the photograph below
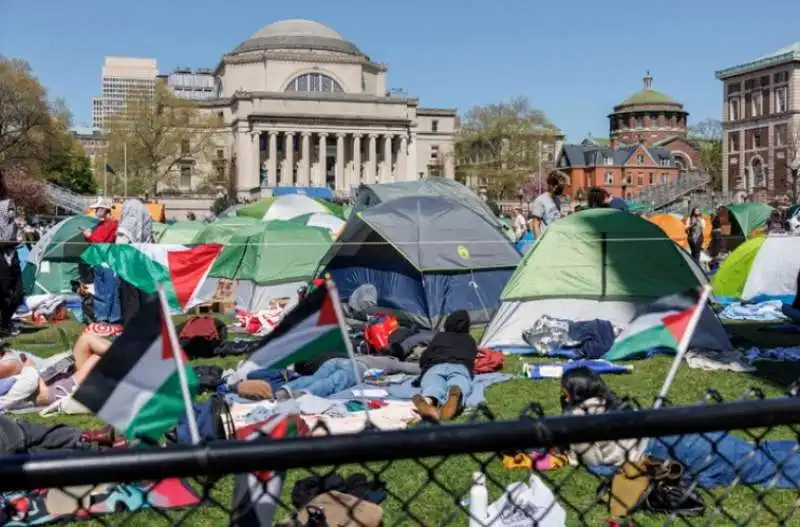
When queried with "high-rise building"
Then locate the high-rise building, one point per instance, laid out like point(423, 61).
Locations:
point(122, 78)
point(198, 84)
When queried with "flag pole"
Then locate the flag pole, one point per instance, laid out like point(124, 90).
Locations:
point(177, 354)
point(125, 169)
point(105, 176)
point(683, 345)
point(340, 318)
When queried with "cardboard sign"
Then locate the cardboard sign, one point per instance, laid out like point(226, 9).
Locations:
point(226, 291)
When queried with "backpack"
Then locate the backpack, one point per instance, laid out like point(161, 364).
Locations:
point(200, 336)
point(487, 361)
point(378, 330)
point(214, 422)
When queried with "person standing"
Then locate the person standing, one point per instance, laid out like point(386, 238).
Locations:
point(695, 225)
point(106, 286)
point(10, 270)
point(520, 224)
point(135, 226)
point(547, 207)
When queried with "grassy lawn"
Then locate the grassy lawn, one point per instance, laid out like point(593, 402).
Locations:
point(427, 491)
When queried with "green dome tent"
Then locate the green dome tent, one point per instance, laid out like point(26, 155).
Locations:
point(597, 264)
point(268, 263)
point(750, 217)
point(222, 230)
point(180, 233)
point(53, 261)
point(333, 224)
point(287, 207)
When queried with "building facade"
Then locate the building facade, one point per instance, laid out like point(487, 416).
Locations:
point(122, 78)
point(94, 144)
point(304, 107)
point(193, 84)
point(622, 170)
point(761, 125)
point(654, 119)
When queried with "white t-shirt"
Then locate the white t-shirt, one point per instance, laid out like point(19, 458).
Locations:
point(547, 209)
point(520, 225)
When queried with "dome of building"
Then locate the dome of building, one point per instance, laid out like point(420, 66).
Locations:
point(647, 96)
point(297, 34)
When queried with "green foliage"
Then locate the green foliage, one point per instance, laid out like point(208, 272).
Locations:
point(72, 170)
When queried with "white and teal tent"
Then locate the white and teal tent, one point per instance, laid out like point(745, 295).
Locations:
point(761, 269)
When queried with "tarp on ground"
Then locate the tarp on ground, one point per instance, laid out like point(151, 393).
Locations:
point(750, 216)
point(427, 257)
point(761, 269)
point(269, 264)
point(598, 263)
point(180, 232)
point(371, 195)
point(287, 207)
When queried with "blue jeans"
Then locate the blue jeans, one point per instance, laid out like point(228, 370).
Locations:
point(440, 378)
point(334, 376)
point(106, 296)
point(717, 459)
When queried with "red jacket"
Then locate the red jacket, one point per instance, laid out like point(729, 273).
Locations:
point(105, 232)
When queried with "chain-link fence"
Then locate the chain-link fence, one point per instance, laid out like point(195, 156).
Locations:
point(715, 463)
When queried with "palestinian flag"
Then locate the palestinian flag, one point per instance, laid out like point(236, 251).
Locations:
point(661, 324)
point(135, 386)
point(309, 329)
point(255, 494)
point(181, 269)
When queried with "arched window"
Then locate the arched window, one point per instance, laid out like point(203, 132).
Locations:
point(314, 82)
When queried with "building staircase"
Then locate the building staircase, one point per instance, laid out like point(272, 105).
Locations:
point(667, 196)
point(66, 200)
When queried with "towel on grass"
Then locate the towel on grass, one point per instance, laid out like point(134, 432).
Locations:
point(405, 391)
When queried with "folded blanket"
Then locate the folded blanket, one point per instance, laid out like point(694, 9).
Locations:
point(762, 312)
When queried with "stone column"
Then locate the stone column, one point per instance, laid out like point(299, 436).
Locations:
point(255, 153)
point(356, 181)
point(339, 170)
point(244, 168)
point(412, 158)
point(372, 166)
point(402, 159)
point(386, 175)
point(272, 160)
point(287, 174)
point(323, 160)
point(304, 176)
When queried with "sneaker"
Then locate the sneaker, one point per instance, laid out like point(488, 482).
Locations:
point(453, 403)
point(426, 410)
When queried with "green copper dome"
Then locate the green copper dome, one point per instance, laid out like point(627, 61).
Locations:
point(647, 96)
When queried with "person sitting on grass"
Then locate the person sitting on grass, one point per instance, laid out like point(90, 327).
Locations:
point(447, 370)
point(711, 459)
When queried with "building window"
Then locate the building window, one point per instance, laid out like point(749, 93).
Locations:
point(640, 179)
point(220, 171)
point(734, 87)
point(758, 139)
point(652, 178)
point(780, 135)
point(664, 179)
point(758, 104)
point(186, 177)
point(781, 76)
point(314, 82)
point(434, 152)
point(609, 178)
point(781, 99)
point(640, 159)
point(639, 122)
point(185, 146)
point(220, 153)
point(733, 142)
point(435, 125)
point(734, 111)
point(608, 161)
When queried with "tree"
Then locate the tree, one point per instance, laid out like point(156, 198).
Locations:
point(708, 135)
point(155, 137)
point(498, 144)
point(72, 170)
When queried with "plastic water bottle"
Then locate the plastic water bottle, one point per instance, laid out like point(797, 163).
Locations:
point(478, 501)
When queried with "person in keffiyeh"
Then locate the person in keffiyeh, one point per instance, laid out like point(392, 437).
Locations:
point(135, 226)
point(11, 293)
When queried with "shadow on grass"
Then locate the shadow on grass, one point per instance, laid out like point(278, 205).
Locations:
point(748, 334)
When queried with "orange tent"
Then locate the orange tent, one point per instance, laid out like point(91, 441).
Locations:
point(673, 226)
point(157, 211)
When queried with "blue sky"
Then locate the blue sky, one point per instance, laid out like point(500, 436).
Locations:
point(574, 60)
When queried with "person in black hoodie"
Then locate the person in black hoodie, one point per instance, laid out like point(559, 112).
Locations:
point(447, 369)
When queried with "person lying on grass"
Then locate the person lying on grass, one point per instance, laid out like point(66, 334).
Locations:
point(711, 459)
point(33, 383)
point(18, 436)
point(447, 370)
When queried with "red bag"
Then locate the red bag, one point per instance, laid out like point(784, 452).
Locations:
point(378, 330)
point(488, 361)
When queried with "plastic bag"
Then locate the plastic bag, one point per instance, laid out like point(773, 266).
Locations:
point(527, 505)
point(549, 333)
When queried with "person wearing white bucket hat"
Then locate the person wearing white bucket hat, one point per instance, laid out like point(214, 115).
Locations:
point(106, 285)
